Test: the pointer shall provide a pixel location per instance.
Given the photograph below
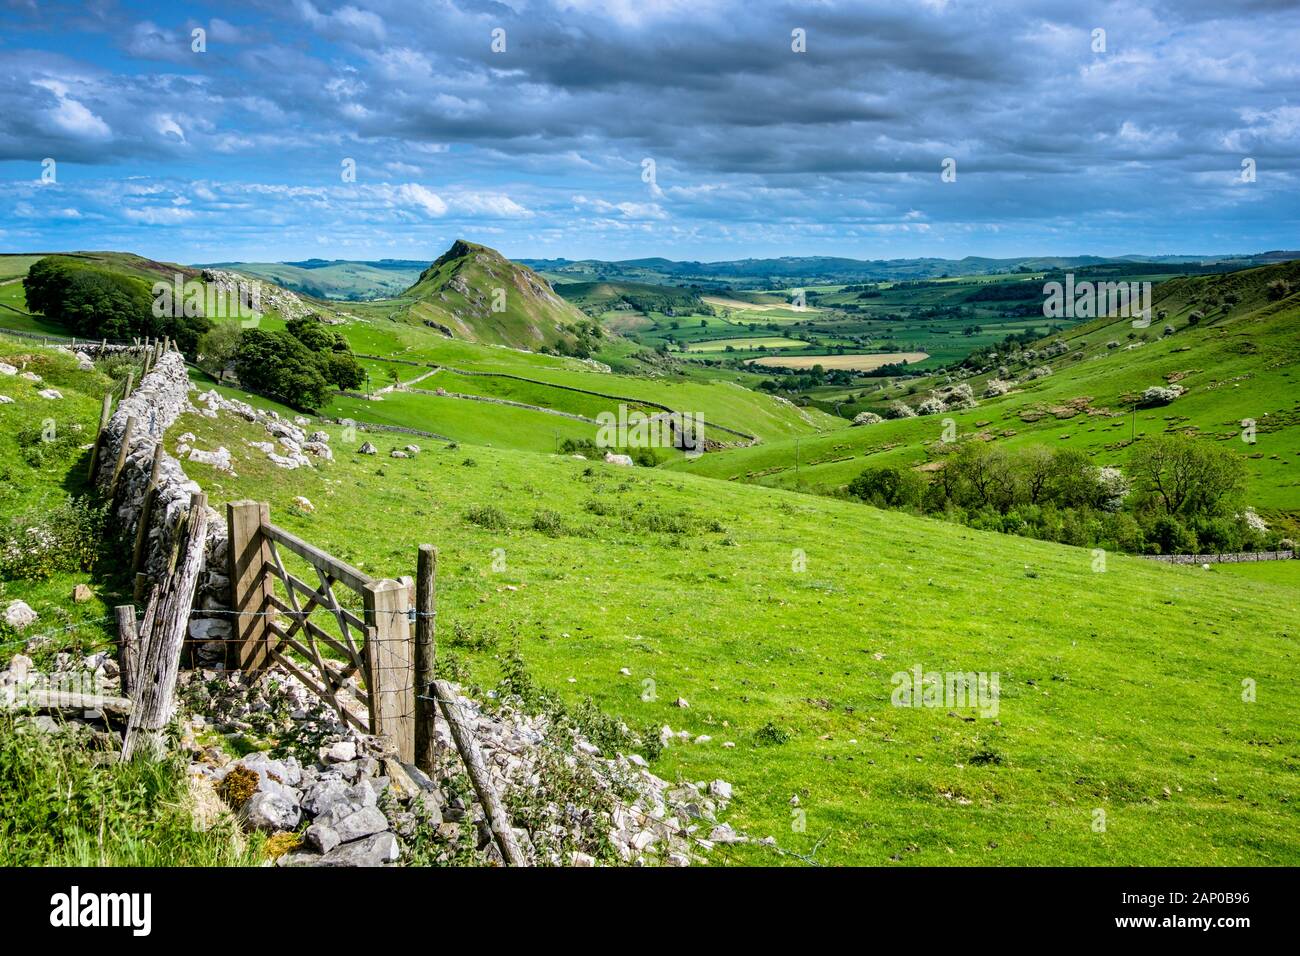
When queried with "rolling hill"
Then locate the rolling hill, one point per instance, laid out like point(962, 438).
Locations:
point(1234, 347)
point(340, 279)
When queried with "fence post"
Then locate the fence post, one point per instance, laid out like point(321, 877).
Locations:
point(425, 655)
point(250, 585)
point(167, 623)
point(127, 434)
point(390, 664)
point(146, 508)
point(105, 413)
point(127, 646)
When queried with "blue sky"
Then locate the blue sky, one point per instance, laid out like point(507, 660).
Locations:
point(544, 148)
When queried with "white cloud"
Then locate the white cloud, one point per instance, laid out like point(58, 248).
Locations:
point(72, 116)
point(417, 196)
point(159, 215)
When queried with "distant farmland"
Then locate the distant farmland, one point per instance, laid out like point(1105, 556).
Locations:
point(857, 363)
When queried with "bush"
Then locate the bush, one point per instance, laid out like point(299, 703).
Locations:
point(68, 538)
point(486, 516)
point(550, 523)
point(1170, 536)
point(888, 487)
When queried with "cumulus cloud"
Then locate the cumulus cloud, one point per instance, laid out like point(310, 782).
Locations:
point(1059, 148)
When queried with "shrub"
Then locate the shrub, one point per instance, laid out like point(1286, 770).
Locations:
point(487, 516)
point(771, 735)
point(68, 538)
point(550, 523)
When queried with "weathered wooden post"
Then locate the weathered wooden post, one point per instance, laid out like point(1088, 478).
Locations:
point(425, 655)
point(250, 586)
point(128, 647)
point(479, 776)
point(146, 508)
point(126, 390)
point(105, 413)
point(127, 434)
point(390, 664)
point(166, 624)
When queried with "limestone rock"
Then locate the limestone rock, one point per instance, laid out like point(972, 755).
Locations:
point(19, 615)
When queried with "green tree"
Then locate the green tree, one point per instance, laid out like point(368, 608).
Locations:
point(888, 487)
point(1175, 475)
point(218, 348)
point(277, 364)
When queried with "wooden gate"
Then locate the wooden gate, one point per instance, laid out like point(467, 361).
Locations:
point(367, 637)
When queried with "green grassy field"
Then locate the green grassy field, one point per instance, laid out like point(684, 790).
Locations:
point(1120, 692)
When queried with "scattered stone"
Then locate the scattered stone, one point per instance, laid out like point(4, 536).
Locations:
point(50, 393)
point(681, 702)
point(367, 448)
point(341, 752)
point(219, 459)
point(271, 811)
point(304, 504)
point(19, 615)
point(398, 453)
point(82, 593)
point(6, 400)
point(7, 369)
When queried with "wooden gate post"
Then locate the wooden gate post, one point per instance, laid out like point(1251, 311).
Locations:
point(166, 624)
point(250, 586)
point(425, 655)
point(391, 664)
point(146, 509)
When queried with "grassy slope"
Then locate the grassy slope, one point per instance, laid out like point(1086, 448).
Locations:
point(1119, 691)
point(1238, 366)
point(26, 490)
point(58, 805)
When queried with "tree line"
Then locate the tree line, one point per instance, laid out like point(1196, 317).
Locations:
point(1178, 495)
